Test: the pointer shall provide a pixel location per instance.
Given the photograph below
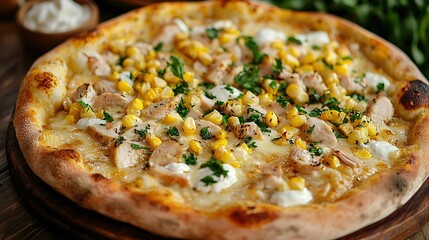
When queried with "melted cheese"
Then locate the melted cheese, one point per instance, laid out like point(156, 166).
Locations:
point(291, 197)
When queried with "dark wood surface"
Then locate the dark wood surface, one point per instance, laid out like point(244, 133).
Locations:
point(19, 221)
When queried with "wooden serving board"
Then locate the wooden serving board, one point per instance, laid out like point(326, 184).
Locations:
point(77, 222)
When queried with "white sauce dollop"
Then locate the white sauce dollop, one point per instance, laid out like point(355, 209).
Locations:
point(224, 92)
point(178, 167)
point(181, 25)
point(56, 16)
point(222, 182)
point(291, 197)
point(268, 35)
point(83, 123)
point(373, 79)
point(382, 150)
point(314, 38)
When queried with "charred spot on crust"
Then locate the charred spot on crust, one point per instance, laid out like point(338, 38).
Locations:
point(399, 184)
point(251, 216)
point(68, 155)
point(45, 81)
point(412, 159)
point(98, 177)
point(415, 95)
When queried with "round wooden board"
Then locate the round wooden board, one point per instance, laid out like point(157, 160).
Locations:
point(85, 224)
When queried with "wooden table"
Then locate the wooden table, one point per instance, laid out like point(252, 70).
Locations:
point(16, 220)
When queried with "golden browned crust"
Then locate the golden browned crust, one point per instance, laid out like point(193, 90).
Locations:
point(44, 88)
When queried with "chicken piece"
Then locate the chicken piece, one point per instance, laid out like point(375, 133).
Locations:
point(167, 33)
point(168, 152)
point(249, 129)
point(98, 64)
point(213, 128)
point(314, 81)
point(317, 130)
point(106, 100)
point(347, 158)
point(195, 114)
point(104, 86)
point(231, 74)
point(292, 78)
point(353, 85)
point(219, 69)
point(144, 48)
point(160, 109)
point(303, 160)
point(380, 109)
point(170, 178)
point(206, 103)
point(105, 134)
point(124, 155)
point(85, 93)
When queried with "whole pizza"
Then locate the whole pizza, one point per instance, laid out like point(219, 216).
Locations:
point(228, 120)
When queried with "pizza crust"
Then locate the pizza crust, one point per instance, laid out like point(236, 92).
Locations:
point(44, 87)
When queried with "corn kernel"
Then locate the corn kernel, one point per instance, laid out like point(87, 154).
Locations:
point(362, 153)
point(124, 86)
point(214, 117)
point(233, 31)
point(309, 58)
point(250, 98)
point(293, 111)
point(100, 114)
point(151, 55)
point(297, 183)
point(170, 78)
point(189, 126)
point(300, 143)
point(331, 57)
point(188, 77)
point(271, 119)
point(225, 155)
point(221, 134)
point(128, 62)
point(281, 142)
point(342, 69)
point(223, 142)
point(195, 146)
point(270, 86)
point(205, 58)
point(75, 109)
point(87, 113)
point(153, 141)
point(70, 118)
point(291, 61)
point(156, 64)
point(297, 121)
point(130, 120)
point(294, 51)
point(332, 161)
point(372, 130)
point(172, 118)
point(225, 38)
point(235, 164)
point(150, 95)
point(135, 106)
point(331, 115)
point(306, 69)
point(345, 129)
point(357, 137)
point(149, 77)
point(287, 128)
point(131, 51)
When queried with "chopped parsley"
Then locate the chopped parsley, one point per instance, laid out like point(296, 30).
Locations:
point(181, 109)
point(249, 142)
point(315, 112)
point(278, 66)
point(119, 141)
point(300, 109)
point(282, 100)
point(357, 97)
point(158, 47)
point(331, 103)
point(330, 66)
point(310, 130)
point(83, 104)
point(212, 33)
point(139, 147)
point(273, 85)
point(107, 116)
point(249, 79)
point(177, 66)
point(380, 87)
point(315, 150)
point(253, 46)
point(338, 134)
point(230, 89)
point(206, 85)
point(142, 132)
point(315, 47)
point(161, 72)
point(172, 131)
point(314, 96)
point(121, 60)
point(219, 103)
point(293, 39)
point(356, 115)
point(208, 180)
point(180, 88)
point(190, 160)
point(205, 133)
point(209, 95)
point(347, 58)
point(216, 167)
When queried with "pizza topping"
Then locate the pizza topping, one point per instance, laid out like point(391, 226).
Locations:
point(168, 152)
point(291, 197)
point(318, 130)
point(380, 110)
point(85, 93)
point(382, 150)
point(103, 133)
point(313, 38)
point(373, 80)
point(347, 158)
point(178, 168)
point(160, 109)
point(83, 123)
point(127, 154)
point(104, 86)
point(268, 35)
point(214, 177)
point(224, 92)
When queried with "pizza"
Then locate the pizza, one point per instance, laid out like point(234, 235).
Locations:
point(228, 120)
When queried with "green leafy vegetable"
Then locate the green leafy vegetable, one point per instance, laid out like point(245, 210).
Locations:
point(253, 46)
point(190, 160)
point(249, 79)
point(107, 116)
point(173, 131)
point(250, 143)
point(208, 180)
point(180, 88)
point(315, 150)
point(139, 147)
point(177, 66)
point(315, 112)
point(278, 66)
point(119, 141)
point(229, 89)
point(212, 33)
point(216, 167)
point(293, 39)
point(205, 133)
point(209, 95)
point(158, 47)
point(310, 130)
point(282, 100)
point(181, 109)
point(380, 87)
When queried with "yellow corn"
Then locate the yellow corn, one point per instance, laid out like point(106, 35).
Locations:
point(167, 92)
point(293, 111)
point(281, 142)
point(75, 109)
point(130, 120)
point(345, 129)
point(309, 58)
point(300, 143)
point(221, 134)
point(214, 117)
point(270, 86)
point(155, 64)
point(172, 118)
point(131, 51)
point(70, 118)
point(294, 51)
point(297, 120)
point(357, 137)
point(297, 94)
point(332, 161)
point(151, 55)
point(297, 183)
point(372, 130)
point(87, 113)
point(223, 142)
point(153, 141)
point(159, 82)
point(189, 126)
point(150, 95)
point(362, 153)
point(331, 57)
point(225, 155)
point(233, 31)
point(331, 115)
point(188, 77)
point(195, 146)
point(341, 69)
point(271, 119)
point(205, 58)
point(170, 78)
point(291, 60)
point(305, 69)
point(225, 38)
point(288, 131)
point(124, 86)
point(135, 106)
point(266, 98)
point(250, 98)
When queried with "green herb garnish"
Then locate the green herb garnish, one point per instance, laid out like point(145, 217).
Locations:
point(139, 147)
point(177, 66)
point(181, 109)
point(216, 167)
point(212, 33)
point(252, 46)
point(205, 133)
point(119, 141)
point(278, 66)
point(293, 39)
point(172, 131)
point(107, 116)
point(190, 160)
point(158, 47)
point(249, 79)
point(250, 143)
